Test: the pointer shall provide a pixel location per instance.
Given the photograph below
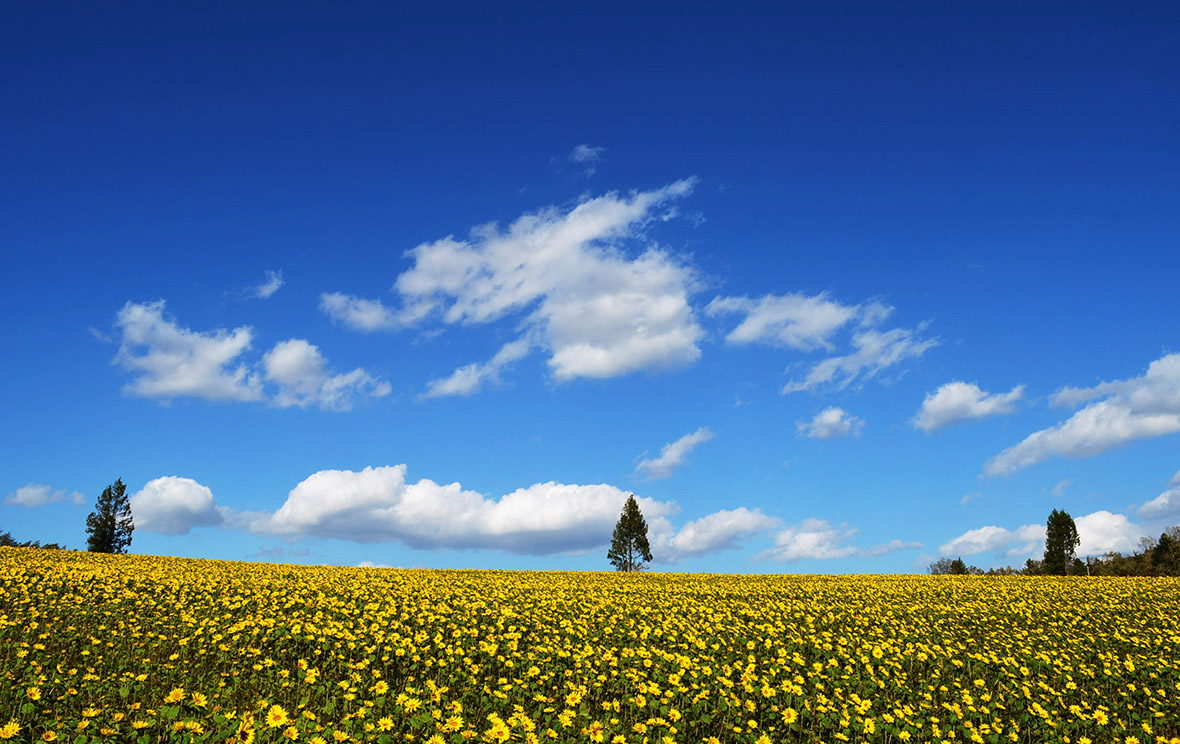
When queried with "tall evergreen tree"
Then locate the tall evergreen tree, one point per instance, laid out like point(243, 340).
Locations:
point(1061, 539)
point(629, 548)
point(109, 526)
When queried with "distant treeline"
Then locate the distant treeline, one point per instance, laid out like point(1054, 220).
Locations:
point(1155, 558)
point(7, 541)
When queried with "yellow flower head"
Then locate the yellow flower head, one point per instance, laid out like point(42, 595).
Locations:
point(276, 717)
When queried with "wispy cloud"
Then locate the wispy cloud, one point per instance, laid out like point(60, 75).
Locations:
point(1135, 408)
point(817, 539)
point(471, 378)
point(585, 158)
point(792, 320)
point(956, 402)
point(830, 423)
point(873, 352)
point(38, 494)
point(270, 285)
point(672, 455)
point(358, 313)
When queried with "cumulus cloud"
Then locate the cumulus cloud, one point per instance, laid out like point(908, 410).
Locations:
point(564, 274)
point(721, 530)
point(171, 361)
point(956, 402)
point(830, 423)
point(672, 455)
point(1100, 532)
point(174, 506)
point(816, 539)
point(379, 505)
point(1021, 542)
point(274, 280)
point(1166, 506)
point(873, 352)
point(38, 494)
point(792, 320)
point(471, 378)
point(304, 379)
point(1135, 408)
point(358, 313)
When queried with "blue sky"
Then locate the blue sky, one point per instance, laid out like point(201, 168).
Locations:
point(831, 289)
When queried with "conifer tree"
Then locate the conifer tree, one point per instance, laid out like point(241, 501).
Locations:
point(629, 548)
point(109, 526)
point(1061, 538)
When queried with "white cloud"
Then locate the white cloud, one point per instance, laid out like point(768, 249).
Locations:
point(37, 494)
point(1100, 532)
point(1175, 479)
point(793, 320)
point(956, 402)
point(1163, 507)
point(875, 351)
point(1022, 541)
point(830, 423)
point(358, 313)
point(274, 280)
point(303, 378)
point(584, 157)
point(371, 564)
point(174, 506)
point(1061, 486)
point(672, 455)
point(969, 497)
point(598, 311)
point(586, 154)
point(172, 361)
point(470, 378)
point(816, 539)
point(378, 505)
point(1136, 408)
point(721, 530)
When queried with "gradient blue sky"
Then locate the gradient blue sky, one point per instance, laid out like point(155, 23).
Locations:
point(831, 289)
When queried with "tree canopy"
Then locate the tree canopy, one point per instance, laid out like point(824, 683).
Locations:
point(110, 525)
point(629, 548)
point(1061, 540)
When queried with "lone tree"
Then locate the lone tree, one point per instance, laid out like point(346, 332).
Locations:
point(1061, 538)
point(628, 546)
point(110, 526)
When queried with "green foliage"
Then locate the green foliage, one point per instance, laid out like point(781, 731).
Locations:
point(110, 525)
point(1061, 540)
point(1156, 558)
point(629, 548)
point(8, 541)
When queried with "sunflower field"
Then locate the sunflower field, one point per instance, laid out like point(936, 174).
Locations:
point(140, 649)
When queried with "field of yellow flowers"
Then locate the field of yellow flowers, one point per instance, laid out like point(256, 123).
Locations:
point(142, 649)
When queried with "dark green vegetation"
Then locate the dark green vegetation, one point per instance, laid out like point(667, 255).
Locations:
point(110, 525)
point(629, 548)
